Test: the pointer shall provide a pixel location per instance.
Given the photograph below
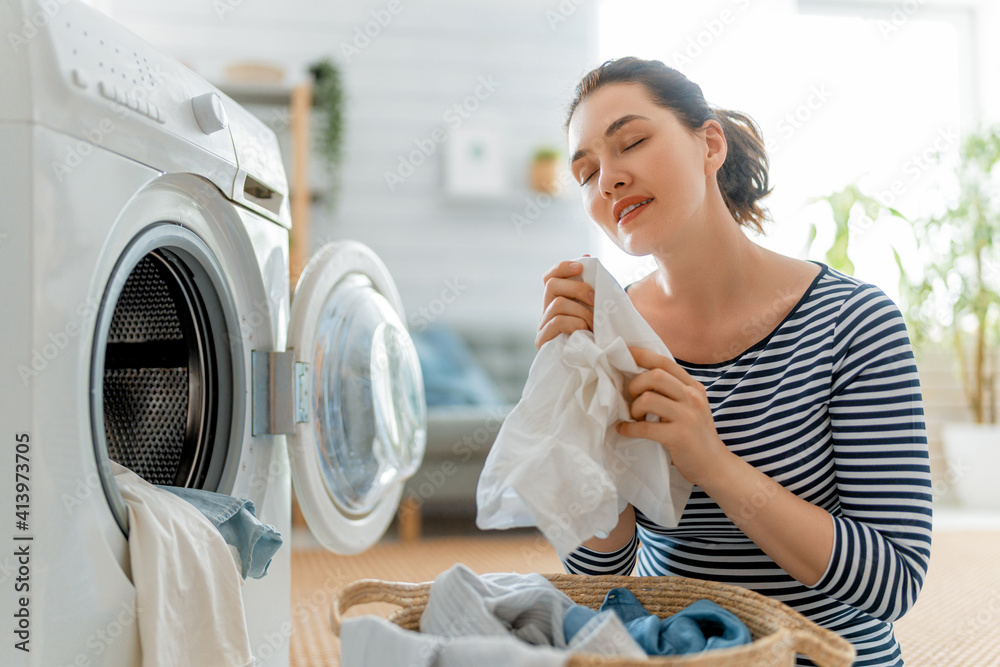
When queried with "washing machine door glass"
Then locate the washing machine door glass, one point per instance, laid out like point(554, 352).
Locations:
point(363, 430)
point(367, 405)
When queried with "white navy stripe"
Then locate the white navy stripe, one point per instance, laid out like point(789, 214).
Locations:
point(829, 406)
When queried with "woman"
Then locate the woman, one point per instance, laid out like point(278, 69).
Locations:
point(793, 405)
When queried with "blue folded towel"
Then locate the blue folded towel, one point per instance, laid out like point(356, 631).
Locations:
point(236, 519)
point(701, 626)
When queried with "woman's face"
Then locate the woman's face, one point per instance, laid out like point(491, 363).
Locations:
point(641, 171)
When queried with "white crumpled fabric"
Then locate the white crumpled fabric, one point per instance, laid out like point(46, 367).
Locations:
point(558, 463)
point(188, 589)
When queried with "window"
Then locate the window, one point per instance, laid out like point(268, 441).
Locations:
point(841, 95)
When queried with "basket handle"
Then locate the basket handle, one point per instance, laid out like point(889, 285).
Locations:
point(825, 648)
point(364, 591)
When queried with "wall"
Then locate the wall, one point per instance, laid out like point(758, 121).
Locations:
point(406, 64)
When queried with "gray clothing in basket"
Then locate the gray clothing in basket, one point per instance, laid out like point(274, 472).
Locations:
point(490, 620)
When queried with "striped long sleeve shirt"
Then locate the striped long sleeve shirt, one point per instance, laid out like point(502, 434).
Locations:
point(829, 406)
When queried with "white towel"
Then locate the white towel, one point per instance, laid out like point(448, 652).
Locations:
point(189, 602)
point(558, 463)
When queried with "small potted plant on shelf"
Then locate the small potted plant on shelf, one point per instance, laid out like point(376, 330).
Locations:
point(545, 170)
point(957, 302)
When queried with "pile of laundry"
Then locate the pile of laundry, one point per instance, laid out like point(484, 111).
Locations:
point(190, 551)
point(524, 620)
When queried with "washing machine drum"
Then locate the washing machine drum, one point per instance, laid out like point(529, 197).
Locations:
point(164, 375)
point(156, 368)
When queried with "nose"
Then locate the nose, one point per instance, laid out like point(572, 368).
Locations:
point(612, 178)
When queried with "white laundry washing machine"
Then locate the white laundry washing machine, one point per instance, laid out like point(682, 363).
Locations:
point(145, 318)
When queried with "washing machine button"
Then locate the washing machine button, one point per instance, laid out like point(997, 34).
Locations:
point(107, 90)
point(154, 113)
point(80, 79)
point(210, 113)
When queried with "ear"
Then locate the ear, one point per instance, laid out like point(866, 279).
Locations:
point(716, 148)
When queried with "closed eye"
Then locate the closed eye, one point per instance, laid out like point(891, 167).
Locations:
point(633, 145)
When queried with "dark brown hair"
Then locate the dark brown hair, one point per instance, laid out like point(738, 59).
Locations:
point(743, 177)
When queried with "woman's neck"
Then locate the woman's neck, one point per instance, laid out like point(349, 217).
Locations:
point(712, 269)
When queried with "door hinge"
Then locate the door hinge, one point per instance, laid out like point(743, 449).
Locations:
point(280, 392)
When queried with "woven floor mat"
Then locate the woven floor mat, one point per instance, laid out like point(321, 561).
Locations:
point(955, 623)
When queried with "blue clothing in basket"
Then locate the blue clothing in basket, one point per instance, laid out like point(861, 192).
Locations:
point(236, 519)
point(701, 626)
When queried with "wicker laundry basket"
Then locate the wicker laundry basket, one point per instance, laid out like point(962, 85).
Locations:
point(778, 631)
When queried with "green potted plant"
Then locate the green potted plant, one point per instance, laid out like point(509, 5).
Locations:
point(852, 210)
point(957, 301)
point(328, 98)
point(545, 170)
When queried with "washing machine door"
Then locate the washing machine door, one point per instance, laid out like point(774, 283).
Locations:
point(361, 416)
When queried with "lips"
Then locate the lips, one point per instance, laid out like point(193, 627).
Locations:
point(628, 205)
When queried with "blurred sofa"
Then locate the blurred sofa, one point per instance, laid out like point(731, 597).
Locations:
point(472, 379)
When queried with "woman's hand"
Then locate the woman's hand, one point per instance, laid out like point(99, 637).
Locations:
point(798, 535)
point(685, 427)
point(569, 304)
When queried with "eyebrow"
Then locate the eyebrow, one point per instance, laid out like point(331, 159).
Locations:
point(614, 127)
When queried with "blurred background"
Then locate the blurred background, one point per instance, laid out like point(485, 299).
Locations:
point(432, 132)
